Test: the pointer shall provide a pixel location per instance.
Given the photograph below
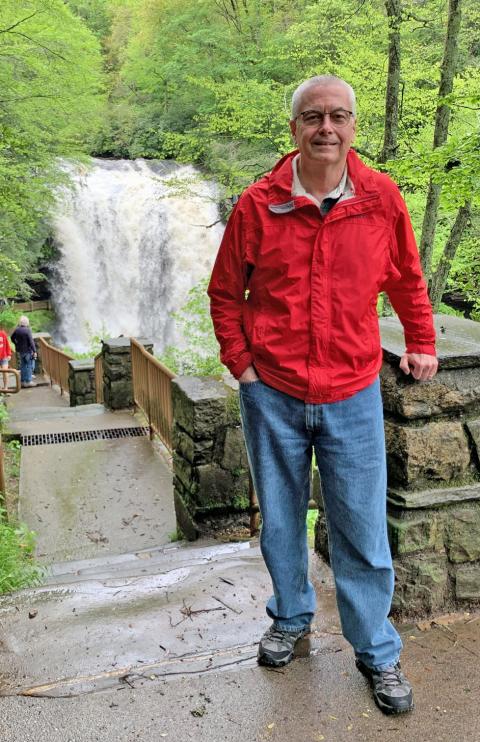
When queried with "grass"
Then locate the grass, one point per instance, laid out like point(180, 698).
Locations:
point(311, 520)
point(17, 566)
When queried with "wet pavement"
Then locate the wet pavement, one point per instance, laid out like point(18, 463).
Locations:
point(158, 641)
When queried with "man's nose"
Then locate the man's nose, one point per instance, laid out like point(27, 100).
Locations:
point(325, 124)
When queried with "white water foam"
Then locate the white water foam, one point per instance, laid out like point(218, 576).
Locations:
point(134, 237)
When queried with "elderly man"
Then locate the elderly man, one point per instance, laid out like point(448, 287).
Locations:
point(293, 295)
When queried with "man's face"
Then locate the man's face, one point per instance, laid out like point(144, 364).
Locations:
point(324, 144)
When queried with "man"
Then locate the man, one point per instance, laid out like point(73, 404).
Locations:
point(22, 338)
point(293, 295)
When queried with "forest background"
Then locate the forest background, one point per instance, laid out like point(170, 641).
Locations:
point(209, 82)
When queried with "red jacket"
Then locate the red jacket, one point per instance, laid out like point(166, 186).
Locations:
point(295, 293)
point(5, 350)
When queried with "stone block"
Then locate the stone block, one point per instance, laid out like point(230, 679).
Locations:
point(451, 391)
point(418, 531)
point(120, 394)
point(458, 341)
point(463, 533)
point(432, 497)
point(473, 427)
point(219, 489)
point(197, 452)
point(234, 454)
point(321, 536)
point(185, 522)
point(183, 469)
point(438, 451)
point(421, 584)
point(467, 582)
point(199, 405)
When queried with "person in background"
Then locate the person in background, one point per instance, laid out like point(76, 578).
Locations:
point(293, 296)
point(5, 356)
point(23, 340)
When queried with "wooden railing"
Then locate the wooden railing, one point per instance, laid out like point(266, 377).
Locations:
point(152, 392)
point(31, 306)
point(99, 378)
point(55, 364)
point(6, 376)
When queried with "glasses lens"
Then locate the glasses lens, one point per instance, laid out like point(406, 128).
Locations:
point(340, 117)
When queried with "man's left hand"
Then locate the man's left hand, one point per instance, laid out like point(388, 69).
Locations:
point(423, 367)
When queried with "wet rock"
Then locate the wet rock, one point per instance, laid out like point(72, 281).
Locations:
point(434, 452)
point(417, 531)
point(463, 533)
point(467, 582)
point(421, 584)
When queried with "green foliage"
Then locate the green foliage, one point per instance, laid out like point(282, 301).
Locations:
point(41, 320)
point(50, 106)
point(17, 566)
point(3, 415)
point(193, 319)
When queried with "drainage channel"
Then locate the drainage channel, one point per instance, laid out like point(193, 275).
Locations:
point(42, 439)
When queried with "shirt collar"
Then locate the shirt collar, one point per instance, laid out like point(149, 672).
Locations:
point(342, 191)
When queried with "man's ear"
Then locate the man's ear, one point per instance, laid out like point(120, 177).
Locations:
point(293, 129)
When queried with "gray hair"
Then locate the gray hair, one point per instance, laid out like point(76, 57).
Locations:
point(314, 82)
point(23, 321)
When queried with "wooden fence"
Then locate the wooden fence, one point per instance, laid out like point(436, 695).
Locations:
point(55, 364)
point(99, 378)
point(31, 306)
point(152, 392)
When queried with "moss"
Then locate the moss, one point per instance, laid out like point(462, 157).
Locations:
point(232, 406)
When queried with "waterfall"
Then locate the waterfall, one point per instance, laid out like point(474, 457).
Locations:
point(133, 238)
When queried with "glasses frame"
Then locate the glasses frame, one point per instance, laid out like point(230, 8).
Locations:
point(326, 113)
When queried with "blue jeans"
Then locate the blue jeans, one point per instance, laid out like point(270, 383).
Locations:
point(25, 367)
point(348, 438)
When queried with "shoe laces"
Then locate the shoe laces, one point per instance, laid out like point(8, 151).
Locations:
point(392, 676)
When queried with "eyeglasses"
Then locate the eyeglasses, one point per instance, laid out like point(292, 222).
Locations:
point(339, 117)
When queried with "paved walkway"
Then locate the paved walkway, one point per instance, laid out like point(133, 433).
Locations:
point(129, 640)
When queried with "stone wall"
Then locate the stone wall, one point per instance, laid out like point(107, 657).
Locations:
point(209, 461)
point(433, 455)
point(117, 371)
point(81, 382)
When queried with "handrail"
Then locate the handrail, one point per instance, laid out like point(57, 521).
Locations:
point(55, 364)
point(4, 388)
point(152, 391)
point(98, 360)
point(31, 306)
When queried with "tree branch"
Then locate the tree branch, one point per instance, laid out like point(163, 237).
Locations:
point(27, 18)
point(37, 43)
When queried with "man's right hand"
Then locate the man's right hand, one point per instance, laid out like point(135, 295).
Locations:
point(248, 376)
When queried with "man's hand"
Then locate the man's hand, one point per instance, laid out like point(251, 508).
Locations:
point(422, 366)
point(248, 376)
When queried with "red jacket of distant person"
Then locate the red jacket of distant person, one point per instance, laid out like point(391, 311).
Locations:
point(295, 294)
point(5, 349)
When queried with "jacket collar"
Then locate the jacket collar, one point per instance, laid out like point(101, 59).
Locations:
point(280, 198)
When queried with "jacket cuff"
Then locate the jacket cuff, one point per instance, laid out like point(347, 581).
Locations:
point(243, 363)
point(428, 350)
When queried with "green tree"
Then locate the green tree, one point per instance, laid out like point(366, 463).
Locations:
point(50, 104)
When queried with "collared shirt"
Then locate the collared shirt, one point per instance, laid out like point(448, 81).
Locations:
point(342, 191)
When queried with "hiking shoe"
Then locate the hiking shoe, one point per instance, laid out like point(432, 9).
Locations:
point(276, 646)
point(391, 690)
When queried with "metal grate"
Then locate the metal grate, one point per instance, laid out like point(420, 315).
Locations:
point(42, 439)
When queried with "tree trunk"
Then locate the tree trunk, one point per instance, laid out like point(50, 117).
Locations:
point(389, 149)
point(442, 119)
point(390, 137)
point(439, 278)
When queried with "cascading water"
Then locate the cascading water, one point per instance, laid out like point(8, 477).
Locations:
point(133, 237)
